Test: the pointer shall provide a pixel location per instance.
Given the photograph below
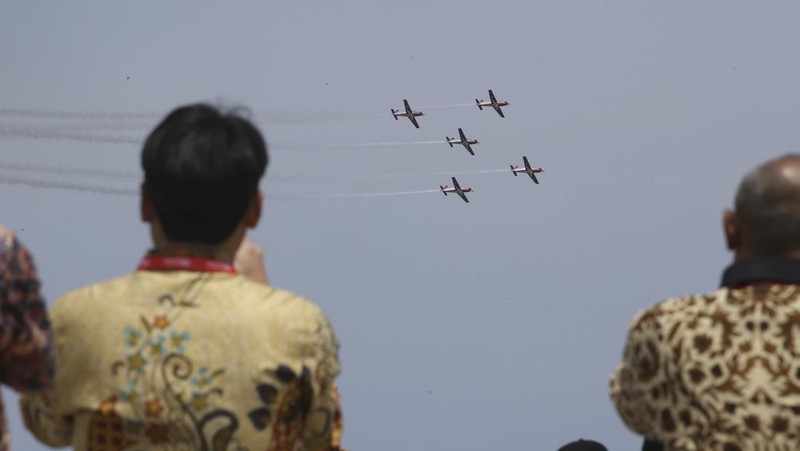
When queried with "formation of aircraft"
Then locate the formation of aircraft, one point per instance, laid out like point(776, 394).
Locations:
point(492, 103)
point(462, 139)
point(527, 169)
point(468, 143)
point(409, 113)
point(412, 115)
point(456, 189)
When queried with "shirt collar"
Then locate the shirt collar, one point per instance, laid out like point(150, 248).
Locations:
point(769, 270)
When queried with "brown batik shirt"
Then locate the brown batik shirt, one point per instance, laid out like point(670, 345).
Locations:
point(26, 350)
point(719, 371)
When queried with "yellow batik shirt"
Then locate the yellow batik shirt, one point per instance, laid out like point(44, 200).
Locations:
point(719, 371)
point(186, 360)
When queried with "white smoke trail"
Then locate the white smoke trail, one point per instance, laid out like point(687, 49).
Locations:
point(149, 119)
point(452, 105)
point(352, 146)
point(67, 186)
point(382, 144)
point(55, 134)
point(430, 174)
point(70, 171)
point(349, 195)
point(44, 114)
point(139, 127)
point(97, 189)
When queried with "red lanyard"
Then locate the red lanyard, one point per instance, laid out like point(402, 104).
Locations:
point(166, 263)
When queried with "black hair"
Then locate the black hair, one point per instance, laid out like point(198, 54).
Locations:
point(768, 207)
point(201, 168)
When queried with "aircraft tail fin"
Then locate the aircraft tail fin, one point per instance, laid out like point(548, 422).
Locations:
point(448, 141)
point(478, 102)
point(443, 191)
point(512, 170)
point(394, 113)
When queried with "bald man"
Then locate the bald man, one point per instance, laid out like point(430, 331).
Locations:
point(721, 371)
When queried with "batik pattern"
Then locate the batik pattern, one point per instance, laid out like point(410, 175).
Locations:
point(715, 372)
point(26, 351)
point(213, 363)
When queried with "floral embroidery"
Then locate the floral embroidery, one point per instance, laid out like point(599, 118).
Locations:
point(156, 345)
point(153, 407)
point(132, 336)
point(161, 322)
point(136, 363)
point(177, 340)
point(162, 384)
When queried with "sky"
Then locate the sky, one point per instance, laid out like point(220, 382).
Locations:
point(488, 325)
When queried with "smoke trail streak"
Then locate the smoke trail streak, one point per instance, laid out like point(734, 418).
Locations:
point(430, 174)
point(67, 186)
point(350, 196)
point(52, 133)
point(43, 133)
point(97, 189)
point(70, 171)
point(273, 117)
point(141, 127)
point(303, 147)
point(382, 144)
point(25, 113)
point(452, 105)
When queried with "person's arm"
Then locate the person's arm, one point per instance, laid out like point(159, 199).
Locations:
point(41, 417)
point(27, 362)
point(323, 426)
point(249, 261)
point(43, 422)
point(643, 364)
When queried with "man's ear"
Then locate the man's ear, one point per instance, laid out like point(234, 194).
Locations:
point(730, 225)
point(254, 211)
point(145, 205)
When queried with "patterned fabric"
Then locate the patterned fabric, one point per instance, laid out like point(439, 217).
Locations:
point(182, 360)
point(715, 372)
point(26, 351)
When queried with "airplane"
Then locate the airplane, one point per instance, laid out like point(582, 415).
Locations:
point(411, 115)
point(492, 103)
point(527, 169)
point(456, 189)
point(463, 141)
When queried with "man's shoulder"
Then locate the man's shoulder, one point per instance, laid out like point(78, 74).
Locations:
point(285, 303)
point(90, 293)
point(677, 308)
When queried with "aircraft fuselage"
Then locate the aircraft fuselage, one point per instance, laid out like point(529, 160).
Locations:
point(521, 170)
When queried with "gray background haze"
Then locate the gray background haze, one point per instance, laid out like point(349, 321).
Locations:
point(481, 326)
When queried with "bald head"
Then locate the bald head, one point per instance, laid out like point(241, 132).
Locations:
point(767, 216)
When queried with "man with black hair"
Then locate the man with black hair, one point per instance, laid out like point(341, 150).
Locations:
point(186, 352)
point(721, 371)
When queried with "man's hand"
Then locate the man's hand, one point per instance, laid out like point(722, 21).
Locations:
point(249, 261)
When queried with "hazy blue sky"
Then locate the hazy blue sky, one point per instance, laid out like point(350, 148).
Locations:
point(489, 325)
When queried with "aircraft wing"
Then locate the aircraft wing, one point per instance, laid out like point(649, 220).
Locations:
point(468, 146)
point(413, 120)
point(458, 189)
point(499, 111)
point(492, 97)
point(527, 165)
point(408, 107)
point(533, 176)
